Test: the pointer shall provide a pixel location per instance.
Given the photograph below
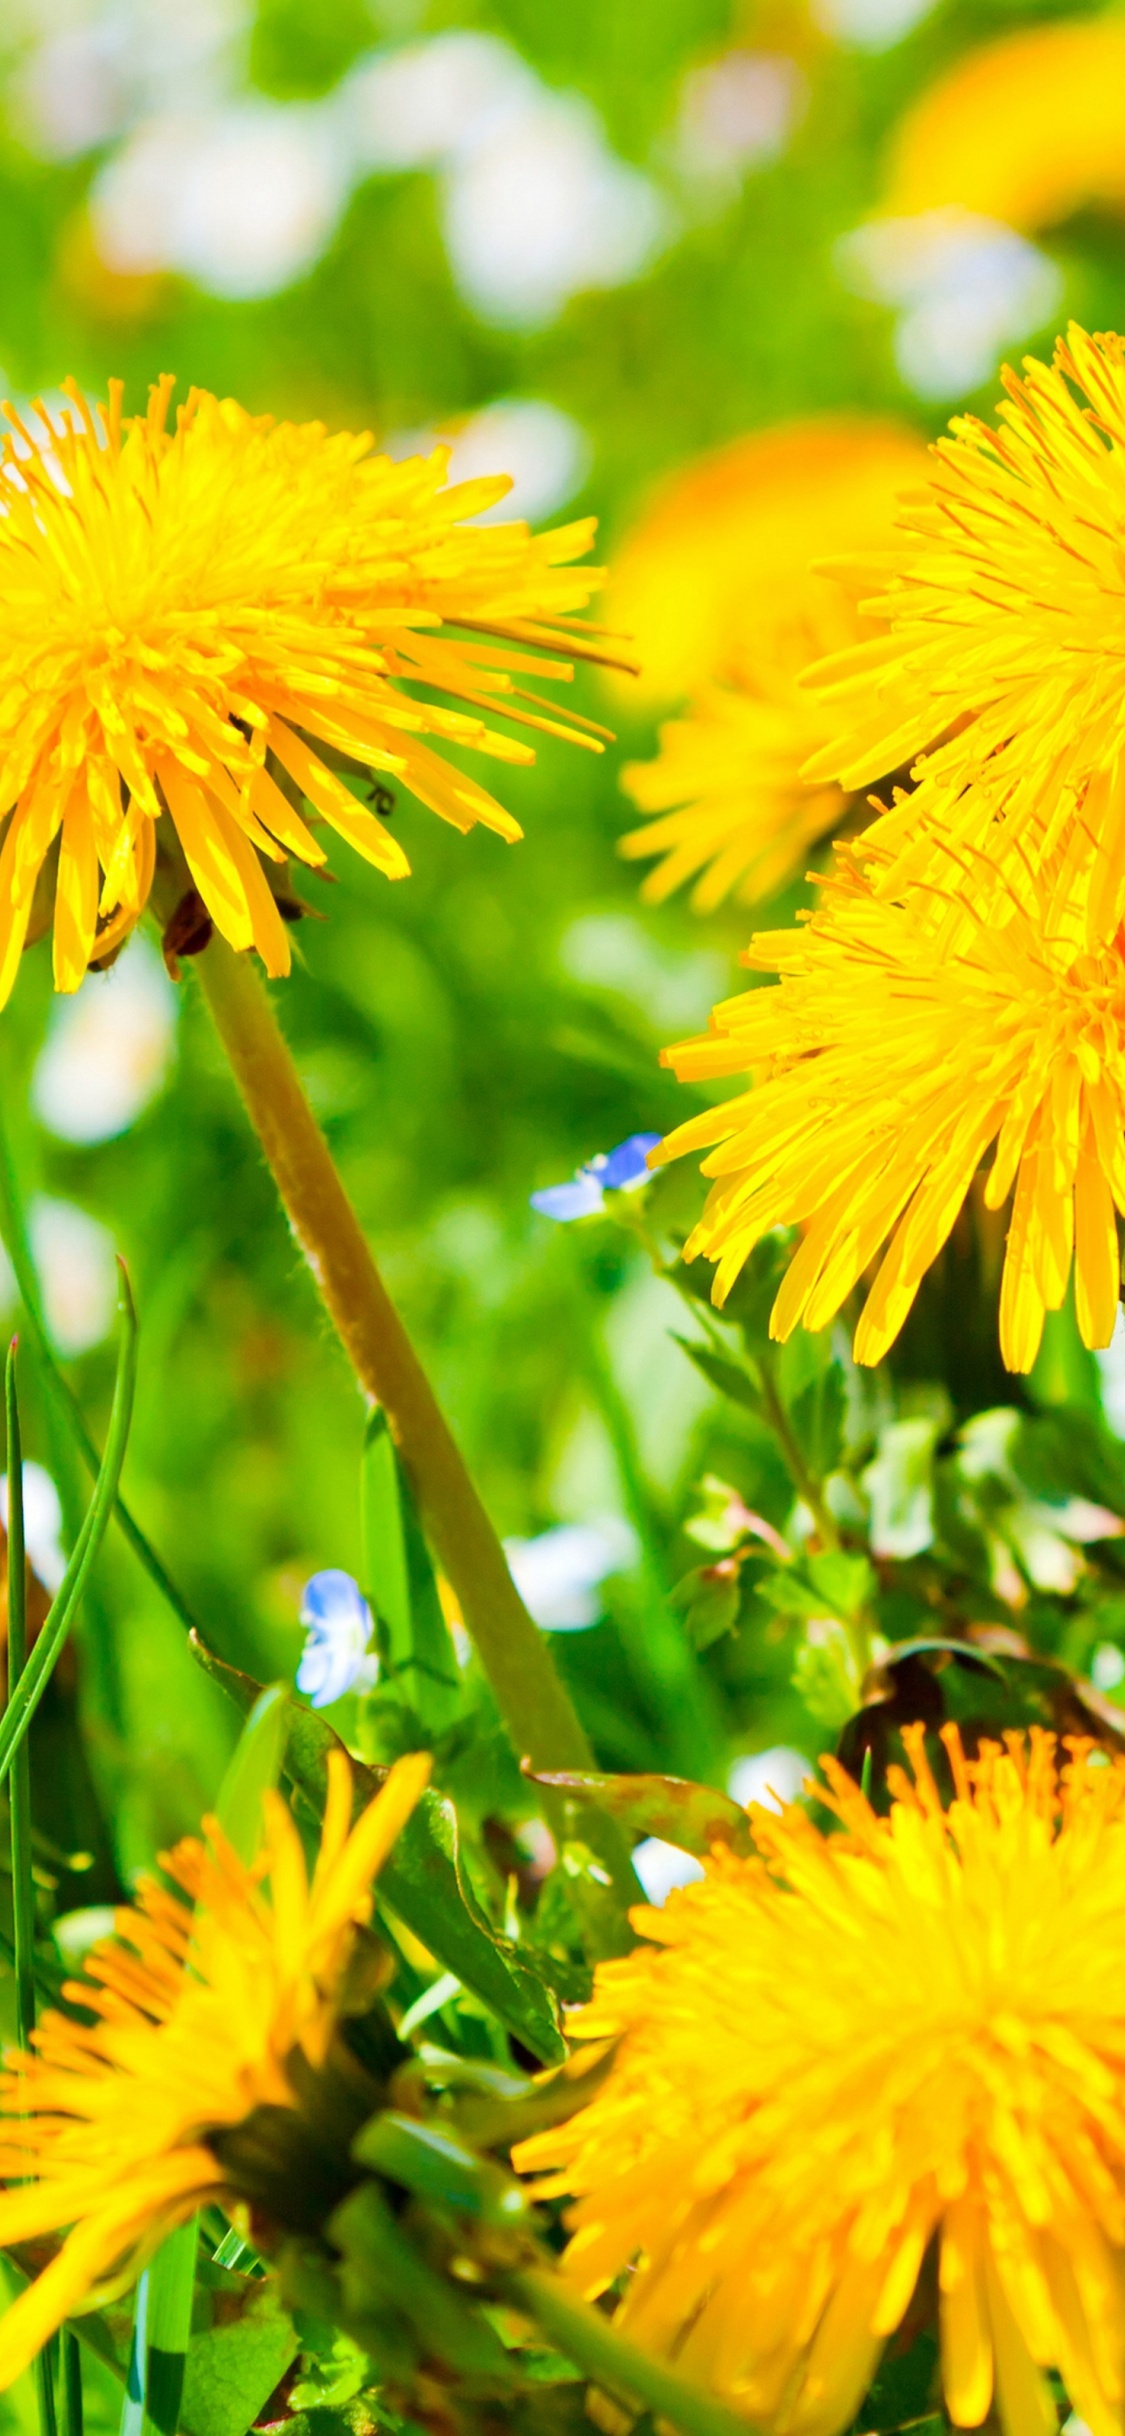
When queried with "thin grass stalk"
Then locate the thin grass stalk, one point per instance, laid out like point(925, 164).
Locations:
point(19, 1802)
point(63, 1405)
point(26, 1693)
point(73, 2414)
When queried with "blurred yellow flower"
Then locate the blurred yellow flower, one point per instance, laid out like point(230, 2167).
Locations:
point(849, 2046)
point(1027, 129)
point(907, 1040)
point(720, 559)
point(1004, 607)
point(199, 2020)
point(182, 610)
point(726, 788)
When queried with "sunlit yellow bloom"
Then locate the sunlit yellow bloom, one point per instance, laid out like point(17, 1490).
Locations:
point(1027, 129)
point(726, 789)
point(906, 1041)
point(848, 2045)
point(182, 610)
point(200, 2019)
point(1005, 612)
point(720, 560)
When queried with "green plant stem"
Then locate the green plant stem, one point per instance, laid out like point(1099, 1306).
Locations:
point(71, 2385)
point(19, 1798)
point(26, 1693)
point(807, 1487)
point(534, 1703)
point(63, 1409)
point(589, 2339)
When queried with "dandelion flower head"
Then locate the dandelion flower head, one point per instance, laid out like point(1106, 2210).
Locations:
point(906, 1043)
point(849, 2047)
point(716, 585)
point(721, 557)
point(1025, 130)
point(199, 2018)
point(1003, 606)
point(200, 621)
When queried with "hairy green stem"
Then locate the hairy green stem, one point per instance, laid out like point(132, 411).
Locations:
point(583, 2335)
point(534, 1703)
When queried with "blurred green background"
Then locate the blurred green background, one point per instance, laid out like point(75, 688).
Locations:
point(611, 230)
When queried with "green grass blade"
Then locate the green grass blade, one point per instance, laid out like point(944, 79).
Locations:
point(23, 1888)
point(62, 1401)
point(73, 2415)
point(36, 1674)
point(253, 1770)
point(171, 2285)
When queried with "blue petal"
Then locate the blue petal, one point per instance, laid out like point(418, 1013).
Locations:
point(333, 1601)
point(578, 1199)
point(627, 1166)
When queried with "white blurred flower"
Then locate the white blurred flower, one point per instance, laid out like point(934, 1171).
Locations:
point(770, 1778)
point(42, 1523)
point(242, 199)
point(542, 209)
point(417, 107)
point(560, 1573)
point(965, 287)
point(91, 70)
point(544, 450)
point(1107, 1666)
point(872, 25)
point(1111, 1368)
point(77, 1271)
point(108, 1049)
point(662, 1867)
point(736, 113)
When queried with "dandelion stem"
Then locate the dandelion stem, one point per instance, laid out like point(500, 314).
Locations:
point(592, 2342)
point(533, 1701)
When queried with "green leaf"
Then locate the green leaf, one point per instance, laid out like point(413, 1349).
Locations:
point(415, 1645)
point(692, 1816)
point(832, 1583)
point(434, 2163)
point(242, 2342)
point(420, 1880)
point(729, 1377)
point(253, 1770)
point(709, 1599)
point(817, 1416)
point(380, 2269)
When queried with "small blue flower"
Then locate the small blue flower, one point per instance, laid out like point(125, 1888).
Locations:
point(337, 1621)
point(613, 1171)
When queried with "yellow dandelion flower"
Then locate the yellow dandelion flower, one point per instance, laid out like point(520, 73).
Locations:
point(906, 1043)
point(1027, 129)
point(1004, 606)
point(721, 558)
point(849, 2047)
point(198, 622)
point(728, 804)
point(199, 2018)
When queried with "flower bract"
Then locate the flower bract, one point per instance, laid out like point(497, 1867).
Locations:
point(203, 624)
point(907, 1042)
point(854, 2061)
point(109, 2130)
